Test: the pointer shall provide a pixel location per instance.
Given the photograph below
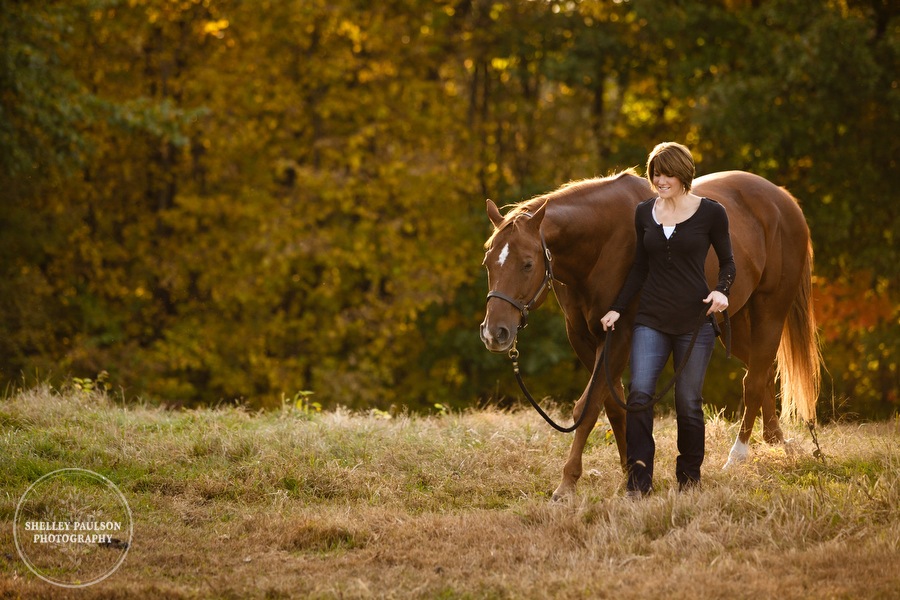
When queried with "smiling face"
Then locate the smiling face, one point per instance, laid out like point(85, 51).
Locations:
point(667, 186)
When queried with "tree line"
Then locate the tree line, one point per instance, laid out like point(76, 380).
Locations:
point(217, 200)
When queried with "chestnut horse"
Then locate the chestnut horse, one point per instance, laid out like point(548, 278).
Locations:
point(587, 227)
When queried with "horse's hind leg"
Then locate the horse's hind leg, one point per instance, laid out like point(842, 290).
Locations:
point(759, 381)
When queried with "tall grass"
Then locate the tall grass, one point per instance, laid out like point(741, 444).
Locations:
point(229, 504)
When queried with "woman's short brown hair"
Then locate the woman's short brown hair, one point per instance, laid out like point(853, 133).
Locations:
point(673, 160)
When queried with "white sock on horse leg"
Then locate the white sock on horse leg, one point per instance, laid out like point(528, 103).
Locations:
point(739, 453)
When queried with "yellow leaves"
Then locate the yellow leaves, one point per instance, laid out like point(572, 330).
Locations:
point(377, 70)
point(354, 33)
point(500, 64)
point(216, 28)
point(639, 110)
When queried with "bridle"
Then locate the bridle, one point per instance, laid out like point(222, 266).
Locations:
point(526, 307)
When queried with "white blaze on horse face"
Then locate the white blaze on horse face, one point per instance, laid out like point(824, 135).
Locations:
point(504, 254)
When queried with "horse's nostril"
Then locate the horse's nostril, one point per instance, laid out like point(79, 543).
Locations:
point(503, 335)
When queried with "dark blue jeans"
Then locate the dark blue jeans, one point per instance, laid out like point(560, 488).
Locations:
point(650, 351)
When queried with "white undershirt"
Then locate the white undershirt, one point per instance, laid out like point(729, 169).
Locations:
point(667, 229)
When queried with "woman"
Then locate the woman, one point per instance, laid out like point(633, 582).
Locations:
point(674, 233)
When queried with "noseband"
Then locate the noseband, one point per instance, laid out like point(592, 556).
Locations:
point(525, 308)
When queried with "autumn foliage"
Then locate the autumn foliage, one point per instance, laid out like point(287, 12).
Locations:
point(218, 201)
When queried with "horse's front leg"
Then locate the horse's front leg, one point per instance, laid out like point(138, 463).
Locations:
point(616, 415)
point(573, 467)
point(614, 397)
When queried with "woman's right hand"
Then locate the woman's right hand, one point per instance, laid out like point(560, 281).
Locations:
point(609, 320)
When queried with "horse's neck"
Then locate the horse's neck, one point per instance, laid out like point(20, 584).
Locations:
point(575, 246)
point(591, 237)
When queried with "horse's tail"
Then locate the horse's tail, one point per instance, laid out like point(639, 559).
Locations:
point(799, 354)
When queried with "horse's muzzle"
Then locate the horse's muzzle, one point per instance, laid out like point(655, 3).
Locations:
point(496, 339)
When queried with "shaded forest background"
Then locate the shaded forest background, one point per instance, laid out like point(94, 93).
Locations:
point(225, 200)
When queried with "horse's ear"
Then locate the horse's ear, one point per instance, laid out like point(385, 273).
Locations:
point(494, 213)
point(537, 218)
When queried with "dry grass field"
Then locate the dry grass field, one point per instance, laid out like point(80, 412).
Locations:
point(292, 504)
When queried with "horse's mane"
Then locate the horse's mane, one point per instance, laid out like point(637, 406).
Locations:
point(515, 210)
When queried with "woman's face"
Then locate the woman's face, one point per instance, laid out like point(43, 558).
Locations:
point(667, 186)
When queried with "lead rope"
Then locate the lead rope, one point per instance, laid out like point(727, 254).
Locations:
point(812, 431)
point(514, 355)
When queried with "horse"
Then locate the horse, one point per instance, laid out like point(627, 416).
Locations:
point(580, 240)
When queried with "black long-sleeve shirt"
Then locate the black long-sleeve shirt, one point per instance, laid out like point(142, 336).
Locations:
point(669, 272)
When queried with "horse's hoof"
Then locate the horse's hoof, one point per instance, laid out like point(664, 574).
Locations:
point(738, 455)
point(773, 437)
point(733, 462)
point(792, 447)
point(563, 493)
point(558, 497)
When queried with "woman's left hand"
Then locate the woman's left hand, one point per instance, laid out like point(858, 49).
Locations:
point(718, 300)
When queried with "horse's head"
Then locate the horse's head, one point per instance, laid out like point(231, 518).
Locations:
point(519, 274)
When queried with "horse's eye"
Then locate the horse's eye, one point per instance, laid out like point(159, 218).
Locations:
point(528, 266)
